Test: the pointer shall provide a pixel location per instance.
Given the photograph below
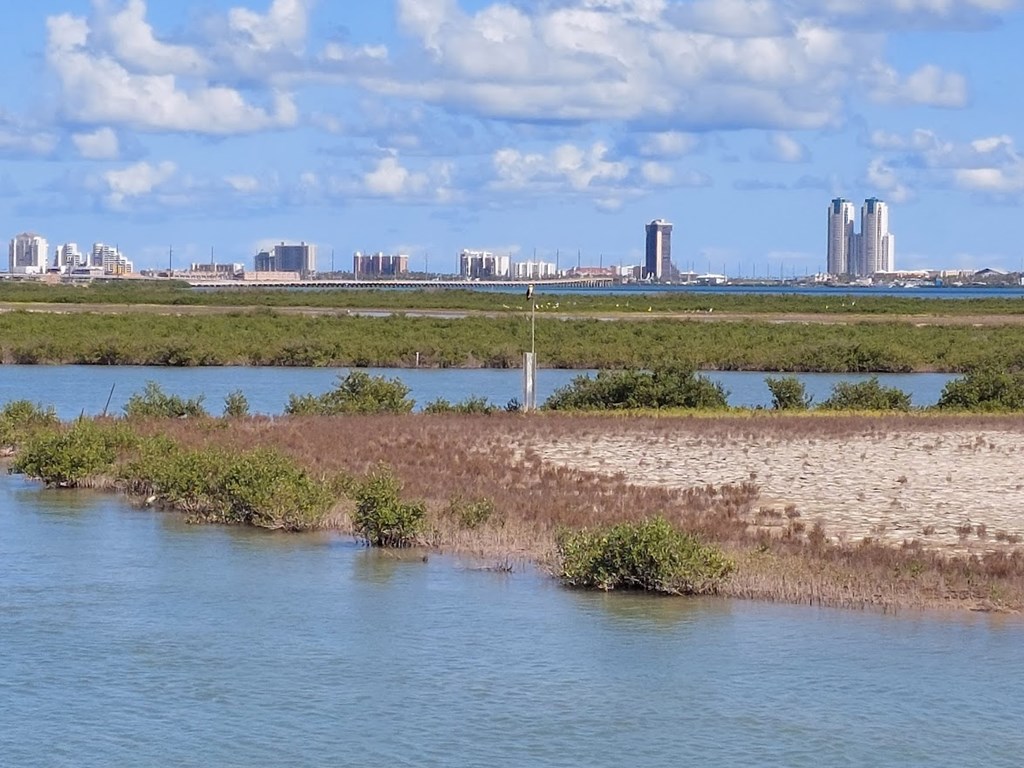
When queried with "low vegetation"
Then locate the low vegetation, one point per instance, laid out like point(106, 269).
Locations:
point(154, 403)
point(867, 395)
point(648, 555)
point(986, 389)
point(382, 518)
point(788, 393)
point(356, 392)
point(20, 419)
point(664, 387)
point(267, 338)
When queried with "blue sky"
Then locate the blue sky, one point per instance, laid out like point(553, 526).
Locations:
point(428, 126)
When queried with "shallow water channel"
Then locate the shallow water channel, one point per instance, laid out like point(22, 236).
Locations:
point(75, 389)
point(130, 638)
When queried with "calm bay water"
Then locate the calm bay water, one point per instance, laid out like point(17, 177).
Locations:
point(129, 638)
point(77, 389)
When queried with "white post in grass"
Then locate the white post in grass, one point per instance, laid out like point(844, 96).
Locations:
point(530, 358)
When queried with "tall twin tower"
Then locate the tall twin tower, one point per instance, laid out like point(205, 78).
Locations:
point(864, 254)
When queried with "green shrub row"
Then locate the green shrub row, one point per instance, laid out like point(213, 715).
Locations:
point(263, 338)
point(650, 555)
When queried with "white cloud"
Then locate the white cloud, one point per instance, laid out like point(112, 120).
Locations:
point(243, 183)
point(668, 144)
point(883, 178)
point(391, 179)
point(283, 26)
point(781, 148)
point(136, 180)
point(657, 174)
point(101, 144)
point(566, 165)
point(97, 88)
point(132, 40)
point(930, 86)
point(588, 60)
point(20, 139)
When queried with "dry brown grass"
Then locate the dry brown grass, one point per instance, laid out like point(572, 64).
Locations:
point(782, 554)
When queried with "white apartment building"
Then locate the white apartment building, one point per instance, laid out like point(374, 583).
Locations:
point(842, 242)
point(476, 265)
point(861, 254)
point(68, 257)
point(110, 259)
point(877, 246)
point(533, 270)
point(28, 254)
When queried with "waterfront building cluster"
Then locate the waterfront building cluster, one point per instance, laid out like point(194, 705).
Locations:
point(864, 254)
point(299, 259)
point(378, 264)
point(29, 254)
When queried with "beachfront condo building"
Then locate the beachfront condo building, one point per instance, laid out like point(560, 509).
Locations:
point(863, 254)
point(658, 260)
point(300, 259)
point(28, 254)
point(842, 239)
point(477, 265)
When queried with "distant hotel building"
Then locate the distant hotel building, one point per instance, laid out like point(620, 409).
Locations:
point(484, 265)
point(534, 270)
point(860, 255)
point(658, 261)
point(68, 257)
point(378, 265)
point(110, 260)
point(300, 259)
point(28, 254)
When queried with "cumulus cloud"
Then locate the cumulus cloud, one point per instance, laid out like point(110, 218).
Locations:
point(930, 86)
point(567, 165)
point(881, 176)
point(18, 138)
point(131, 39)
point(136, 180)
point(587, 60)
point(101, 144)
point(781, 148)
point(98, 88)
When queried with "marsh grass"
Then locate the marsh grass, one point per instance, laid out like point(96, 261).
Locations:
point(490, 458)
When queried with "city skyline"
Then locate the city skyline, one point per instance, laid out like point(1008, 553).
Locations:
point(426, 127)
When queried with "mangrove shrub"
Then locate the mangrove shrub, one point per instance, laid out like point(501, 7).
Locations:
point(984, 389)
point(867, 395)
point(650, 555)
point(154, 403)
point(19, 419)
point(664, 387)
point(788, 393)
point(358, 392)
point(382, 518)
point(68, 456)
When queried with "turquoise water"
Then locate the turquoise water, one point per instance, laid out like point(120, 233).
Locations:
point(74, 389)
point(129, 638)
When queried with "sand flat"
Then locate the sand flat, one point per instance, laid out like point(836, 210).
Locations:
point(895, 486)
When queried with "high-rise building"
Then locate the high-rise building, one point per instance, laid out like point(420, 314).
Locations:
point(861, 254)
point(367, 265)
point(68, 257)
point(28, 254)
point(842, 242)
point(477, 265)
point(877, 246)
point(299, 258)
point(658, 262)
point(110, 259)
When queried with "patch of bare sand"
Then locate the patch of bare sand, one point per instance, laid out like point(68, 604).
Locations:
point(955, 490)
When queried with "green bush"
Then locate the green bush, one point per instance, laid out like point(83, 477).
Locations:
point(358, 392)
point(154, 403)
point(381, 518)
point(19, 419)
point(665, 387)
point(649, 555)
point(469, 405)
point(867, 395)
point(236, 405)
point(984, 389)
point(68, 456)
point(788, 393)
point(260, 488)
point(473, 513)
